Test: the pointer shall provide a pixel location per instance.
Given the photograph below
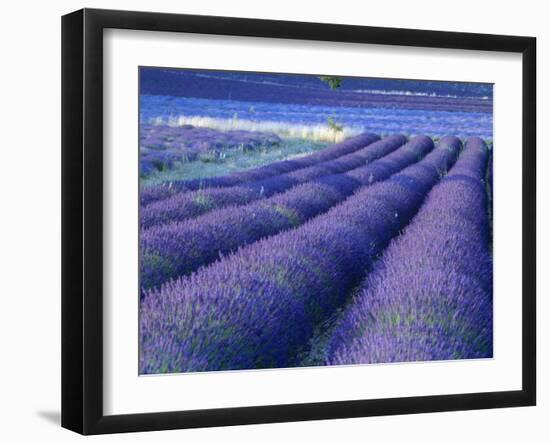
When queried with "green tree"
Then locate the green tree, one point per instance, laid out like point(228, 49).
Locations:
point(333, 125)
point(332, 81)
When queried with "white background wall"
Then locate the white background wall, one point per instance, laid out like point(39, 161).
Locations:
point(30, 219)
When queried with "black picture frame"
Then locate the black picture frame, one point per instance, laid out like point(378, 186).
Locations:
point(82, 215)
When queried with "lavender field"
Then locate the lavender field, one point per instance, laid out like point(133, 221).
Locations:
point(328, 227)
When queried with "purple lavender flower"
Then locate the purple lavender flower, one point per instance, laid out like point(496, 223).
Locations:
point(352, 144)
point(187, 142)
point(257, 307)
point(179, 248)
point(429, 297)
point(185, 205)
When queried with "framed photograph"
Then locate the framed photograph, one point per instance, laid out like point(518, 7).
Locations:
point(269, 221)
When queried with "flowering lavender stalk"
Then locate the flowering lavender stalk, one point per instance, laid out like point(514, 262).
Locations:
point(188, 205)
point(179, 248)
point(429, 297)
point(151, 194)
point(258, 306)
point(352, 144)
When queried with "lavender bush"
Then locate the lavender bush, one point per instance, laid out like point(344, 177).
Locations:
point(154, 193)
point(179, 248)
point(161, 145)
point(256, 307)
point(182, 206)
point(429, 297)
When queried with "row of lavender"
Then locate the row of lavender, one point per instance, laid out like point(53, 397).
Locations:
point(186, 205)
point(429, 297)
point(258, 307)
point(154, 193)
point(180, 248)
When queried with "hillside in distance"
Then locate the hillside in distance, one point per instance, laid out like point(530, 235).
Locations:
point(310, 90)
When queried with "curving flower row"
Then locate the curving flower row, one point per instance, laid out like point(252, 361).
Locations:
point(258, 307)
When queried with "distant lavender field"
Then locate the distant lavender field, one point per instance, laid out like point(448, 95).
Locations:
point(295, 119)
point(161, 146)
point(293, 221)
